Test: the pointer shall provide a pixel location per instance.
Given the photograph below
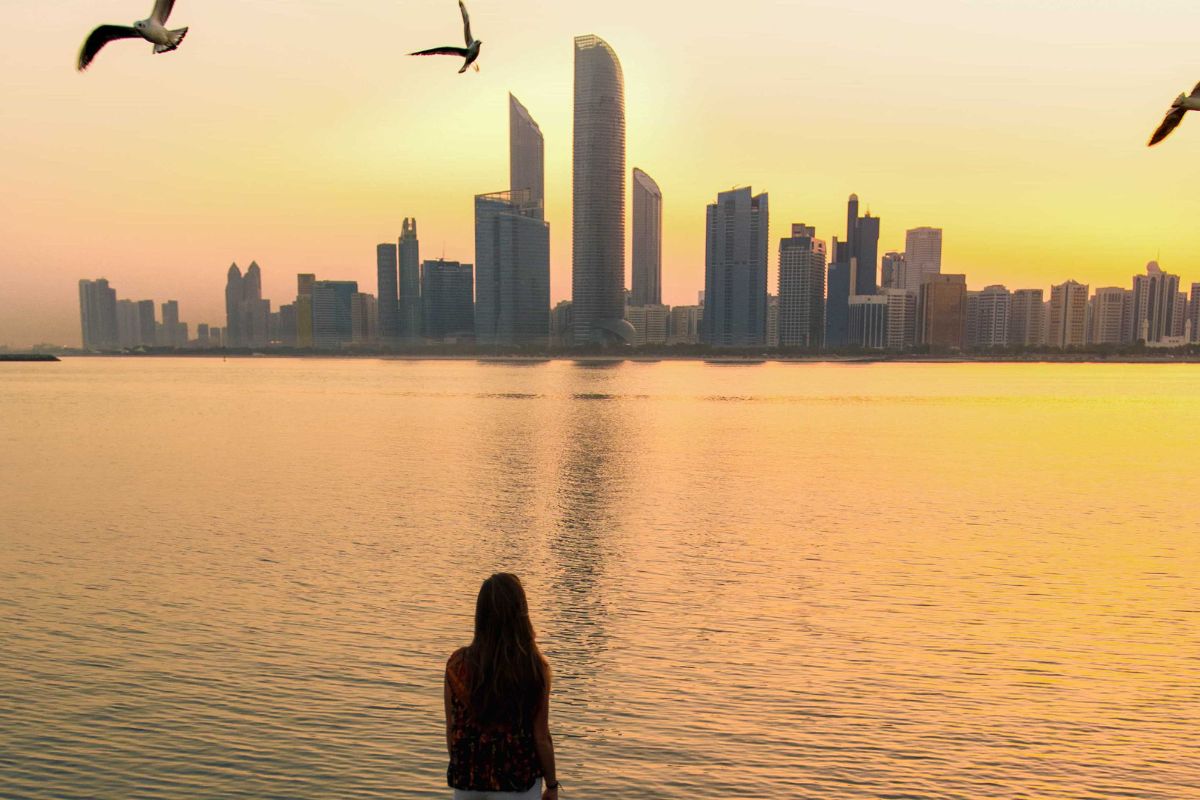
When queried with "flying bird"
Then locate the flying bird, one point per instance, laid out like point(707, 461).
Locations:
point(153, 30)
point(470, 52)
point(1183, 104)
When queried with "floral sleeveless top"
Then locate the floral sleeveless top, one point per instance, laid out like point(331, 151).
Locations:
point(498, 758)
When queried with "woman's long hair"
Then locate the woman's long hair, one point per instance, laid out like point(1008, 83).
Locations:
point(507, 671)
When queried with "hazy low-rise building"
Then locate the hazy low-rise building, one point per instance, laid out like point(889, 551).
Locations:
point(651, 324)
point(364, 319)
point(686, 325)
point(562, 324)
point(869, 315)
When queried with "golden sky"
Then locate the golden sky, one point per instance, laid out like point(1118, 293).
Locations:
point(298, 134)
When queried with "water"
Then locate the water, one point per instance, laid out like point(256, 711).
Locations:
point(242, 579)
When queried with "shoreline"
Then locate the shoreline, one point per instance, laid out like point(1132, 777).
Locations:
point(650, 358)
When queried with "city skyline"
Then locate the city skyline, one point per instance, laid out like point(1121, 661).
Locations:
point(321, 166)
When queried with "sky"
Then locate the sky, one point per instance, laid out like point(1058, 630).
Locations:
point(298, 134)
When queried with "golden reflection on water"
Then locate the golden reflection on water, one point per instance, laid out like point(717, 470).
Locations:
point(931, 581)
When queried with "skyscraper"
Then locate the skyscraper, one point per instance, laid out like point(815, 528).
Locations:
point(387, 269)
point(1068, 315)
point(1027, 322)
point(1108, 308)
point(447, 296)
point(512, 262)
point(234, 316)
point(902, 319)
point(735, 280)
point(802, 289)
point(333, 313)
point(256, 311)
point(173, 333)
point(410, 283)
point(98, 314)
point(364, 319)
point(598, 258)
point(128, 324)
point(647, 241)
point(526, 158)
point(942, 312)
point(922, 256)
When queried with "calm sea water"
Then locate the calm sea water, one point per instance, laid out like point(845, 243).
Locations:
point(242, 579)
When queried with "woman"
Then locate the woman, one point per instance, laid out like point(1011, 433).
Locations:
point(498, 703)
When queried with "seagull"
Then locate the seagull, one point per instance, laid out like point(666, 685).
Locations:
point(153, 30)
point(470, 52)
point(1183, 104)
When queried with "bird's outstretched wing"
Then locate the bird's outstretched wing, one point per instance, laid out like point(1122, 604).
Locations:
point(162, 11)
point(462, 52)
point(1196, 91)
point(100, 37)
point(1170, 123)
point(466, 23)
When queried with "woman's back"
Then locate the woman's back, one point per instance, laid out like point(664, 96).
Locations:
point(498, 756)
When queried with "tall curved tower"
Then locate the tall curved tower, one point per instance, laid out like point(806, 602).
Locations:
point(598, 256)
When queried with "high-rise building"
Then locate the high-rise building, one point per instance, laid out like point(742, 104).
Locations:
point(922, 256)
point(387, 266)
point(686, 324)
point(989, 314)
point(288, 330)
point(447, 296)
point(1068, 315)
point(773, 320)
point(410, 283)
point(837, 299)
point(526, 157)
point(868, 318)
point(174, 334)
point(98, 314)
point(866, 255)
point(1179, 317)
point(512, 263)
point(256, 325)
point(735, 281)
point(1106, 315)
point(942, 312)
point(364, 319)
point(333, 313)
point(647, 241)
point(304, 310)
point(651, 324)
point(1194, 312)
point(802, 289)
point(129, 329)
point(902, 319)
point(1154, 305)
point(892, 271)
point(598, 258)
point(1027, 320)
point(146, 322)
point(234, 316)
